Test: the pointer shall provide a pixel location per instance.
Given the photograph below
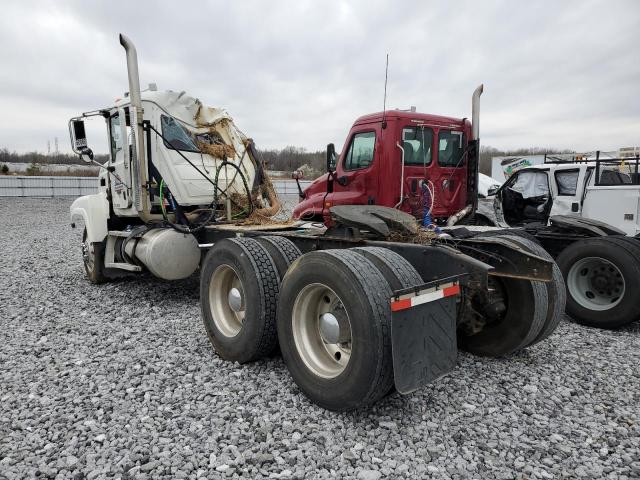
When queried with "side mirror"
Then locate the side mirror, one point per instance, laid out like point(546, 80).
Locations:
point(297, 174)
point(78, 136)
point(492, 191)
point(331, 157)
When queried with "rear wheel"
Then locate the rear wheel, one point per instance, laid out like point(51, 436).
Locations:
point(398, 272)
point(282, 250)
point(93, 259)
point(603, 278)
point(506, 318)
point(556, 289)
point(334, 329)
point(238, 298)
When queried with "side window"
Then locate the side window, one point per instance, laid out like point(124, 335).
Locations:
point(531, 184)
point(567, 182)
point(450, 148)
point(176, 135)
point(360, 153)
point(116, 136)
point(417, 142)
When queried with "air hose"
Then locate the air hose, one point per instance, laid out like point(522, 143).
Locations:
point(212, 207)
point(427, 207)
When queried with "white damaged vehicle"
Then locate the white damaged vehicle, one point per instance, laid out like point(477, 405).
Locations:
point(585, 214)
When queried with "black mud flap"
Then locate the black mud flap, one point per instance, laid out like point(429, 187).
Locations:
point(423, 334)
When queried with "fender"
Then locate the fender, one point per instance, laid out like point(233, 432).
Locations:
point(586, 226)
point(94, 210)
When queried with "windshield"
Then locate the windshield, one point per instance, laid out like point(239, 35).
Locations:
point(176, 135)
point(450, 148)
point(416, 142)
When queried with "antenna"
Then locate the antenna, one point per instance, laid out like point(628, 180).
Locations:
point(384, 103)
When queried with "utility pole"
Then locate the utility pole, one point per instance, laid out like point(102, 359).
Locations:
point(48, 147)
point(56, 145)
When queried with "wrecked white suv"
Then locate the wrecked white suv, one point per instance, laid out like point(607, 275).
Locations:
point(607, 191)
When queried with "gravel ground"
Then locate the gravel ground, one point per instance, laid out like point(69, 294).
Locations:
point(120, 381)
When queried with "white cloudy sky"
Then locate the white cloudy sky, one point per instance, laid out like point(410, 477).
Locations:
point(562, 74)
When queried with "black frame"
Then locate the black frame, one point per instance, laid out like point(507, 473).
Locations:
point(635, 179)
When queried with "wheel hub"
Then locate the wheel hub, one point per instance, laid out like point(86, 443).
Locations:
point(235, 299)
point(596, 283)
point(321, 330)
point(226, 298)
point(334, 327)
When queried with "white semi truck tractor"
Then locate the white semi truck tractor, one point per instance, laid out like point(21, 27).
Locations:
point(357, 309)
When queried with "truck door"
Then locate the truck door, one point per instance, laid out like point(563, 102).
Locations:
point(524, 198)
point(120, 160)
point(450, 176)
point(569, 185)
point(356, 180)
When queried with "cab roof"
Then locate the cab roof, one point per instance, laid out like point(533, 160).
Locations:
point(185, 108)
point(403, 114)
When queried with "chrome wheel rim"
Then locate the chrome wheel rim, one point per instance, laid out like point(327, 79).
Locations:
point(227, 300)
point(596, 283)
point(321, 330)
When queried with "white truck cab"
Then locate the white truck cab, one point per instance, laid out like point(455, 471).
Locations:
point(605, 190)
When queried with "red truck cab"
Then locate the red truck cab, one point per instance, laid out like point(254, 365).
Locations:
point(370, 169)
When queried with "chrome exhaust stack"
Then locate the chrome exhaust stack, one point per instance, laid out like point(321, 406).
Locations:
point(475, 112)
point(139, 161)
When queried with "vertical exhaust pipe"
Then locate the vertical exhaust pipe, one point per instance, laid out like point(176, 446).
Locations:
point(141, 199)
point(475, 112)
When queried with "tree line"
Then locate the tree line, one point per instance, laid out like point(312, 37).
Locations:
point(287, 159)
point(38, 158)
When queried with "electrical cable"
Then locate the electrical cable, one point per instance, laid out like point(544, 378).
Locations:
point(214, 204)
point(191, 163)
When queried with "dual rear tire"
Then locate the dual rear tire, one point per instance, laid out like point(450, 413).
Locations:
point(332, 318)
point(329, 312)
point(532, 309)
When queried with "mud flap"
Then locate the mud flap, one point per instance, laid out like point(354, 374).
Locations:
point(423, 334)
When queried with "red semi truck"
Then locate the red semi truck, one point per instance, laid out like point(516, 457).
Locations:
point(388, 155)
point(413, 161)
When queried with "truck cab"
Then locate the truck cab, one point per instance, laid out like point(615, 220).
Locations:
point(604, 190)
point(386, 160)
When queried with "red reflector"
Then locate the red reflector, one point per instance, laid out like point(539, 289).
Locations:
point(400, 305)
point(453, 290)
